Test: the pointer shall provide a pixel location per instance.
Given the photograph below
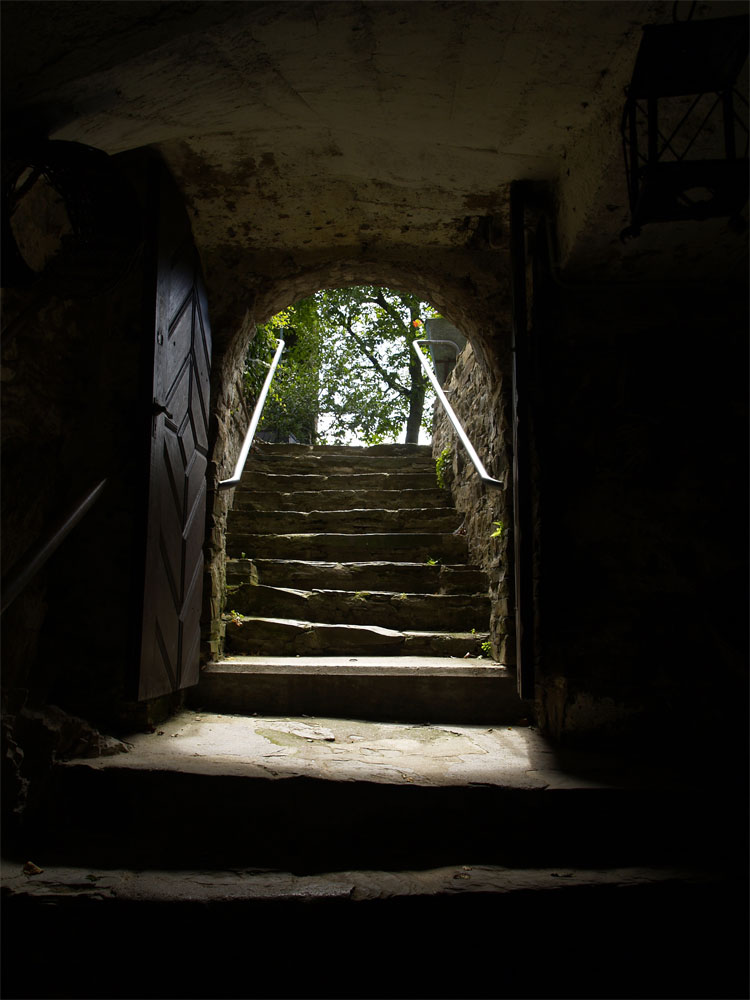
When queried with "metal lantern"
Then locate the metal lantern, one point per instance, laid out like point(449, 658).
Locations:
point(685, 123)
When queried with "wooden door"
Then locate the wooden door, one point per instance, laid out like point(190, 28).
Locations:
point(172, 596)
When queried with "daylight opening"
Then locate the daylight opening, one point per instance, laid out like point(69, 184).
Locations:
point(349, 374)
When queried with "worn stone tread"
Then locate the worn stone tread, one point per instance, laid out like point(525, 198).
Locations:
point(354, 520)
point(57, 883)
point(399, 610)
point(268, 635)
point(261, 449)
point(261, 480)
point(341, 499)
point(395, 546)
point(397, 577)
point(338, 463)
point(287, 635)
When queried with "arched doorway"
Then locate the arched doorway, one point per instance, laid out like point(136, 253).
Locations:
point(491, 341)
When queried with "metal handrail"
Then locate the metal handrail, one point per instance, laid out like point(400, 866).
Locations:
point(33, 560)
point(486, 478)
point(228, 484)
point(429, 340)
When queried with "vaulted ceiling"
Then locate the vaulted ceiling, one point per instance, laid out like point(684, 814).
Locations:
point(350, 128)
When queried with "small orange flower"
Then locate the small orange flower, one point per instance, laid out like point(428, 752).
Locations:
point(417, 323)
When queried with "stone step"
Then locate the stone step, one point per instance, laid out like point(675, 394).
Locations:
point(320, 794)
point(338, 464)
point(261, 522)
point(397, 577)
point(342, 499)
point(398, 611)
point(287, 636)
point(358, 887)
point(395, 688)
point(329, 546)
point(262, 449)
point(343, 914)
point(306, 482)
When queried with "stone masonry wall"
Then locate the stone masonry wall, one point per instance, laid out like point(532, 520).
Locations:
point(481, 404)
point(229, 422)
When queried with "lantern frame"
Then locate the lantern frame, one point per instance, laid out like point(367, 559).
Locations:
point(693, 63)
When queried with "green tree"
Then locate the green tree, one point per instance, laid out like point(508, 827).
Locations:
point(350, 361)
point(292, 404)
point(372, 383)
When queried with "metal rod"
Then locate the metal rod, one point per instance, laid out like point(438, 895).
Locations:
point(228, 484)
point(634, 168)
point(451, 342)
point(33, 560)
point(698, 131)
point(730, 145)
point(653, 129)
point(483, 474)
point(668, 142)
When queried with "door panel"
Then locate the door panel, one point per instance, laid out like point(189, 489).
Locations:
point(170, 638)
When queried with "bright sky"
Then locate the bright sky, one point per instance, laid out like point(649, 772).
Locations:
point(324, 423)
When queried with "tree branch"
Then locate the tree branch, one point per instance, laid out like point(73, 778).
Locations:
point(416, 375)
point(387, 378)
point(382, 301)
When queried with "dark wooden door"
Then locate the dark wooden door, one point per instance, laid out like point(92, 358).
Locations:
point(173, 582)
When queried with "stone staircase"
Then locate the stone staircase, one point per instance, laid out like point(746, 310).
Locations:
point(351, 594)
point(347, 788)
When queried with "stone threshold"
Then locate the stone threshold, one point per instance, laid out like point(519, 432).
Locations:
point(407, 754)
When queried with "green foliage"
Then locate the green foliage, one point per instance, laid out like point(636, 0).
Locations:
point(372, 382)
point(349, 371)
point(292, 404)
point(487, 648)
point(498, 529)
point(441, 465)
point(432, 562)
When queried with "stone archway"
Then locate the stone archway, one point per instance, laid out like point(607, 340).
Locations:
point(469, 290)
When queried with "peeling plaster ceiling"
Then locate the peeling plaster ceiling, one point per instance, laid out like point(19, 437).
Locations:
point(347, 128)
